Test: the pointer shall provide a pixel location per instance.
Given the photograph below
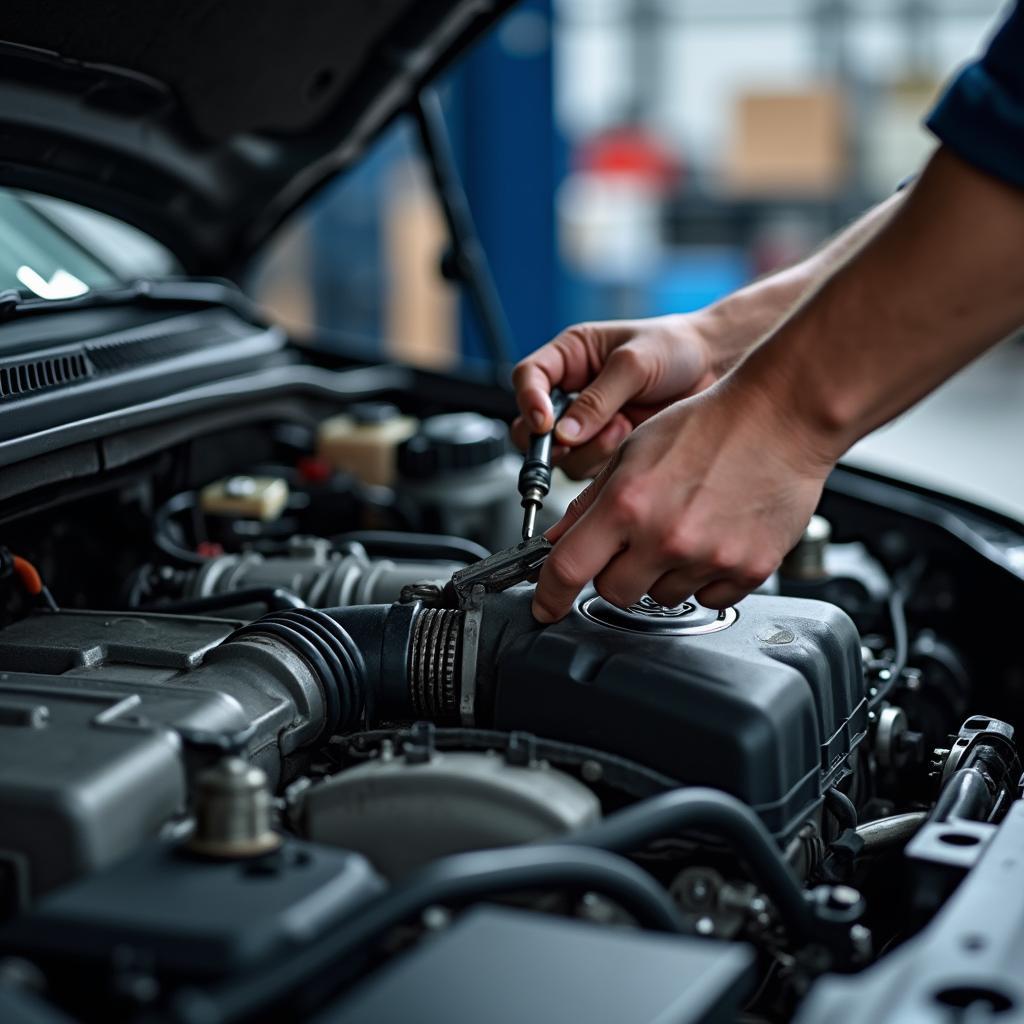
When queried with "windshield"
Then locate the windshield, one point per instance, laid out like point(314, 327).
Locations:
point(51, 249)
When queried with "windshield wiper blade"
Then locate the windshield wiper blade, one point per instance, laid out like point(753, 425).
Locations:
point(192, 291)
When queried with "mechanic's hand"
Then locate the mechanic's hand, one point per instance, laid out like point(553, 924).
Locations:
point(705, 498)
point(628, 370)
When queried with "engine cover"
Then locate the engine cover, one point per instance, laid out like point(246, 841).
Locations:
point(765, 701)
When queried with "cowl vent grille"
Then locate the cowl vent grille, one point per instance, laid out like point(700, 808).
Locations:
point(151, 347)
point(25, 376)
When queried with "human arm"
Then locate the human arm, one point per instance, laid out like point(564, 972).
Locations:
point(707, 496)
point(629, 370)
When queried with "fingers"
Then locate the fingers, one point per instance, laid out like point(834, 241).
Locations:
point(569, 361)
point(533, 379)
point(582, 549)
point(725, 593)
point(672, 588)
point(587, 460)
point(715, 589)
point(583, 462)
point(624, 375)
point(520, 432)
point(626, 578)
point(568, 569)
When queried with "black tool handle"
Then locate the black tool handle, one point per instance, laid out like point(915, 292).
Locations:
point(536, 472)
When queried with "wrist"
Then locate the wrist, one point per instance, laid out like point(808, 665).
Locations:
point(770, 388)
point(735, 325)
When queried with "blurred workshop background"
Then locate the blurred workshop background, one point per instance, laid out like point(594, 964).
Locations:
point(635, 157)
point(628, 158)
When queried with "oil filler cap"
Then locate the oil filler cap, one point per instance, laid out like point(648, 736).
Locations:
point(652, 619)
point(453, 442)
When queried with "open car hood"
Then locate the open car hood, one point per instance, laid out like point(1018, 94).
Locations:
point(206, 123)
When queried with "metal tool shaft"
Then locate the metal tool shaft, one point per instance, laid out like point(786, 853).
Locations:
point(535, 476)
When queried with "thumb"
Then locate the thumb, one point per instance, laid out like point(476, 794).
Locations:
point(622, 378)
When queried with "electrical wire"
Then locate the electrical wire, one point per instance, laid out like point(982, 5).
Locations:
point(29, 578)
point(163, 524)
point(902, 590)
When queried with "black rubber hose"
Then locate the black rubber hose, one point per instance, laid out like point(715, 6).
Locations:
point(299, 639)
point(353, 682)
point(884, 833)
point(966, 795)
point(426, 546)
point(840, 806)
point(465, 877)
point(332, 655)
point(900, 639)
point(710, 812)
point(273, 598)
point(162, 538)
point(455, 880)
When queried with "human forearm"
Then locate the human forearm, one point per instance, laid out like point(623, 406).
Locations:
point(941, 281)
point(626, 371)
point(736, 324)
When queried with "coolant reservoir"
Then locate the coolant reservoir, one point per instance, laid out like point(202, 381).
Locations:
point(460, 471)
point(364, 440)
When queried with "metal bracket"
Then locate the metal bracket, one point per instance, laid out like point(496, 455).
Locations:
point(470, 648)
point(502, 570)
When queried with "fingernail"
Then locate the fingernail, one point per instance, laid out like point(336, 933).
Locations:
point(541, 614)
point(537, 420)
point(568, 429)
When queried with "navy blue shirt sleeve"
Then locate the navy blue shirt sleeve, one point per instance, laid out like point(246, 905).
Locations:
point(981, 114)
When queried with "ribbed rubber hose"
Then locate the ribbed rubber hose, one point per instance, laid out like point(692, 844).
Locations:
point(331, 654)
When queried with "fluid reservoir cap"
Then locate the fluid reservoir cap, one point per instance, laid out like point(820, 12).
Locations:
point(653, 619)
point(453, 442)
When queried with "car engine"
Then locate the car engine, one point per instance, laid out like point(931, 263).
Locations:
point(272, 745)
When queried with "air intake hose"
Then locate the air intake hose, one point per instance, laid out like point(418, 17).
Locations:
point(374, 663)
point(331, 654)
point(412, 656)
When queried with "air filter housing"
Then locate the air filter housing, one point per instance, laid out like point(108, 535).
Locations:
point(765, 701)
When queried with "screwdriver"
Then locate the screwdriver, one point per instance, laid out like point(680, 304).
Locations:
point(535, 476)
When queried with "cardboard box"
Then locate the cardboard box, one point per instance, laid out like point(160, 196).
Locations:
point(788, 143)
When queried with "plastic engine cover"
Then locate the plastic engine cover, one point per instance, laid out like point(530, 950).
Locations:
point(764, 702)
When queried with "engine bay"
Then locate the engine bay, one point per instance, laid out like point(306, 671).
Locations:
point(273, 746)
